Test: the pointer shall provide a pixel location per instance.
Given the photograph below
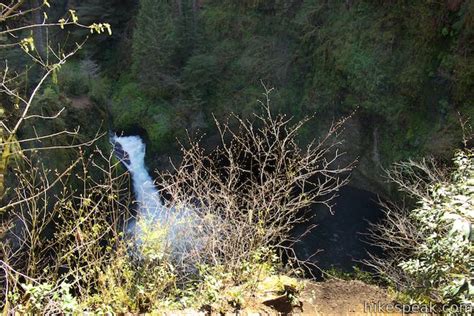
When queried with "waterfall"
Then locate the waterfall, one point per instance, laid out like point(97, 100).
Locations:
point(147, 196)
point(180, 224)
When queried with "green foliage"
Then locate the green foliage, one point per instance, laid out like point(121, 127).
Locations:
point(129, 106)
point(48, 103)
point(131, 109)
point(130, 285)
point(393, 61)
point(443, 260)
point(155, 283)
point(100, 90)
point(159, 46)
point(221, 289)
point(140, 275)
point(73, 80)
point(44, 296)
point(77, 79)
point(200, 73)
point(103, 47)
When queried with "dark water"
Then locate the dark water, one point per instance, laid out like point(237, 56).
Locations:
point(340, 237)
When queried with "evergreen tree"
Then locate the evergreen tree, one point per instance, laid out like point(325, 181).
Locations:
point(154, 46)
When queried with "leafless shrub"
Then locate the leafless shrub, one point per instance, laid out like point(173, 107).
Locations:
point(223, 209)
point(23, 26)
point(398, 238)
point(399, 234)
point(254, 188)
point(69, 236)
point(67, 226)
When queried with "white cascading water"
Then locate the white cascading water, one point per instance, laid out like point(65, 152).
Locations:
point(145, 191)
point(180, 223)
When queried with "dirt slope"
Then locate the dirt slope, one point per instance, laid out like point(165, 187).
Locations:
point(339, 297)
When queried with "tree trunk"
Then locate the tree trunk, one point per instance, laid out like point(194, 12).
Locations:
point(179, 8)
point(39, 33)
point(195, 9)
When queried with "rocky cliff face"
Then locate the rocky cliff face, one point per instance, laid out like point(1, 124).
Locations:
point(374, 146)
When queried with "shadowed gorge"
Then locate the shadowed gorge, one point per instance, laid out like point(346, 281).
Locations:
point(341, 237)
